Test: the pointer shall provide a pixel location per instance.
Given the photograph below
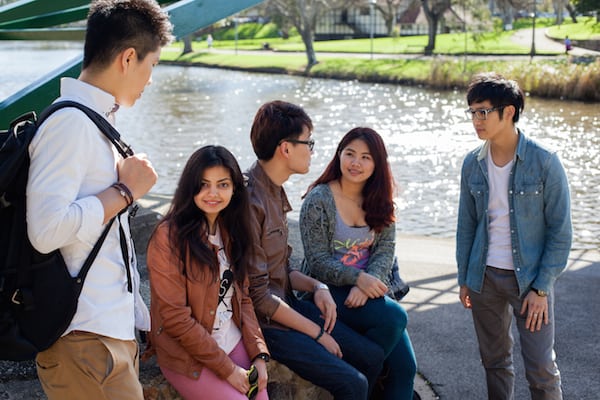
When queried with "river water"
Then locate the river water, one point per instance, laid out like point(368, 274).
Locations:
point(425, 131)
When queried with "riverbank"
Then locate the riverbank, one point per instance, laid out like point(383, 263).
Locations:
point(557, 77)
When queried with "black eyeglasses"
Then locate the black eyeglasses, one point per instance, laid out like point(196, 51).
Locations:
point(482, 113)
point(310, 143)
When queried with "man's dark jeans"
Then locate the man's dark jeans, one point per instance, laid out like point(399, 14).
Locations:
point(350, 378)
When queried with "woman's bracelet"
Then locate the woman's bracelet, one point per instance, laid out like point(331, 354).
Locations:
point(124, 191)
point(320, 334)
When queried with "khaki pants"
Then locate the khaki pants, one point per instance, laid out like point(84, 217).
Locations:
point(83, 365)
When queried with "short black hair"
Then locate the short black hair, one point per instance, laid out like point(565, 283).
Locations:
point(498, 90)
point(115, 25)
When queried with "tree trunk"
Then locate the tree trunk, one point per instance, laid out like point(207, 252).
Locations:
point(311, 56)
point(432, 22)
point(187, 44)
point(558, 6)
point(572, 12)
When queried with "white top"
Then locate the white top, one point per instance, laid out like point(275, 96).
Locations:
point(72, 161)
point(499, 247)
point(225, 331)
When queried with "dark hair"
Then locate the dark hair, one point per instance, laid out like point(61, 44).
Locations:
point(498, 90)
point(115, 25)
point(378, 197)
point(273, 122)
point(188, 226)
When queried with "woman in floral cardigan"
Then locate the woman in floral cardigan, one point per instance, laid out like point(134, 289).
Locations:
point(347, 225)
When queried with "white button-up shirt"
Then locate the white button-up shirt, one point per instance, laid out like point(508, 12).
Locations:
point(71, 162)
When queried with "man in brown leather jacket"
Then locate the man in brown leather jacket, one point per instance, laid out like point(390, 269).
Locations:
point(303, 335)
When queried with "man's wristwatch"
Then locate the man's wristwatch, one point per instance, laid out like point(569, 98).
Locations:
point(263, 356)
point(541, 293)
point(320, 286)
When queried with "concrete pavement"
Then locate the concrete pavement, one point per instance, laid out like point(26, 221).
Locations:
point(443, 335)
point(442, 331)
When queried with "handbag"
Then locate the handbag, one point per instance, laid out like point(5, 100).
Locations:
point(397, 287)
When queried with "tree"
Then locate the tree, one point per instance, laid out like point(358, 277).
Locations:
point(303, 15)
point(588, 6)
point(508, 7)
point(390, 9)
point(572, 12)
point(434, 10)
point(187, 44)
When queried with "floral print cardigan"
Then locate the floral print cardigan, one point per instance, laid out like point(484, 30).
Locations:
point(317, 227)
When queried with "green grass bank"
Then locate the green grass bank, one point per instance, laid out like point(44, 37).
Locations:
point(399, 60)
point(559, 78)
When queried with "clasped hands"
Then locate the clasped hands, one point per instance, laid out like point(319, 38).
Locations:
point(367, 287)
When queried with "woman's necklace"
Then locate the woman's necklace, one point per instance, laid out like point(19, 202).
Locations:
point(357, 202)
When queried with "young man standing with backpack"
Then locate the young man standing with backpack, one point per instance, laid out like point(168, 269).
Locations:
point(77, 183)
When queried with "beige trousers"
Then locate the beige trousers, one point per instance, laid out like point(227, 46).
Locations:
point(84, 365)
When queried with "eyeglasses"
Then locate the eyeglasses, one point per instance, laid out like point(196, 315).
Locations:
point(310, 143)
point(253, 381)
point(481, 114)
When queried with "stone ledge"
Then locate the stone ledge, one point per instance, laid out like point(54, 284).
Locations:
point(18, 380)
point(283, 384)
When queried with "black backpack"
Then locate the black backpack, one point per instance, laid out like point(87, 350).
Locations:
point(38, 296)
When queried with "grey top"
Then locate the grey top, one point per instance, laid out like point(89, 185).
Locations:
point(352, 244)
point(317, 228)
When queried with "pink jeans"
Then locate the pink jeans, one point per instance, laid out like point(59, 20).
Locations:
point(209, 386)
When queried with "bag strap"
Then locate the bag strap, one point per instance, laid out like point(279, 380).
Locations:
point(102, 123)
point(125, 150)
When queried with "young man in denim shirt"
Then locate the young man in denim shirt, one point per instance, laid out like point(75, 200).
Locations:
point(513, 240)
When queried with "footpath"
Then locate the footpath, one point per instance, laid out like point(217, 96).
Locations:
point(441, 329)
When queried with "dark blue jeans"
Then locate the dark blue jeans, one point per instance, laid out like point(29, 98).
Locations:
point(383, 320)
point(349, 378)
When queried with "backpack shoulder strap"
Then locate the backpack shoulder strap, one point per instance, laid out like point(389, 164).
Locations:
point(125, 150)
point(103, 125)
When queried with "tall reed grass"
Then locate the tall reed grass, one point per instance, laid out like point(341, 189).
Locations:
point(557, 79)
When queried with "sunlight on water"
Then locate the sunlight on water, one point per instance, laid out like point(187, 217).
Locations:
point(425, 131)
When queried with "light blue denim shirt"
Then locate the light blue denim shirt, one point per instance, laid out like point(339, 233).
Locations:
point(539, 213)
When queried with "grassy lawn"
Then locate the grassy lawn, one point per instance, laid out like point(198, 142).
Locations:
point(270, 61)
point(452, 43)
point(492, 42)
point(556, 78)
point(586, 29)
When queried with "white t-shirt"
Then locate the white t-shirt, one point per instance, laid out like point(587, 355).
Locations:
point(499, 246)
point(225, 331)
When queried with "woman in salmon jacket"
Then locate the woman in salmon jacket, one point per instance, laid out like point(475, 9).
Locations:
point(204, 329)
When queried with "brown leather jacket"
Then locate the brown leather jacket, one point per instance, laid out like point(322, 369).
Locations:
point(269, 280)
point(183, 311)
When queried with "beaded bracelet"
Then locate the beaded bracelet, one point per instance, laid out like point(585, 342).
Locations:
point(124, 191)
point(320, 334)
